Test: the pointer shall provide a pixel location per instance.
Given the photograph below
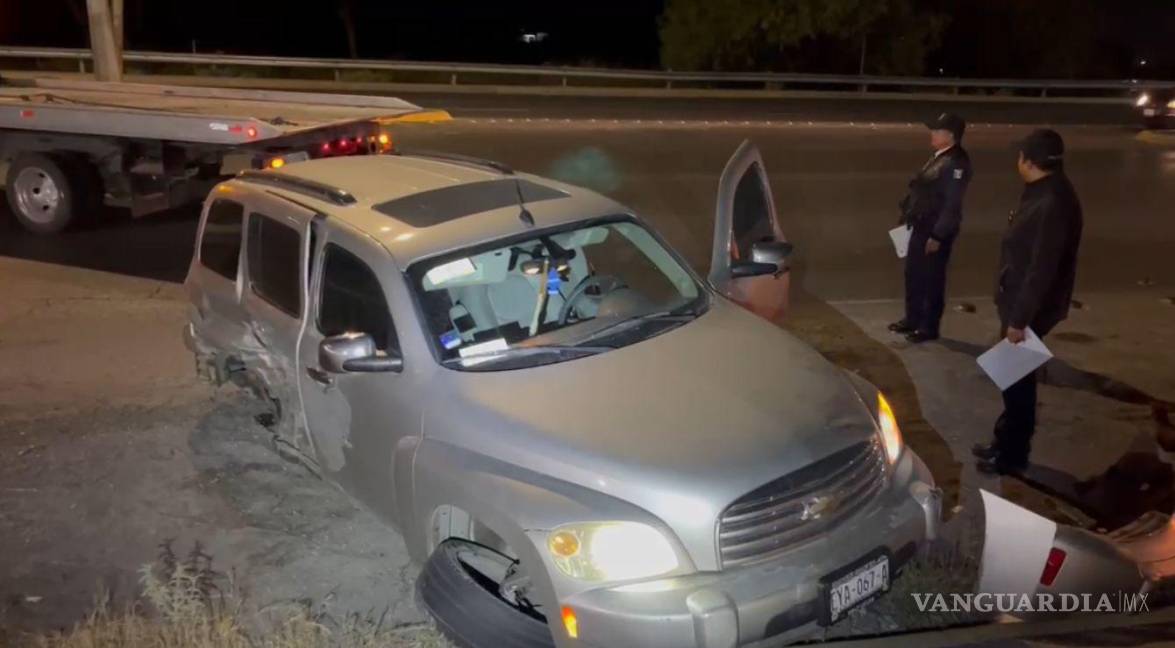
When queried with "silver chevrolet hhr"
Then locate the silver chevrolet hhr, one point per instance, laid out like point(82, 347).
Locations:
point(581, 440)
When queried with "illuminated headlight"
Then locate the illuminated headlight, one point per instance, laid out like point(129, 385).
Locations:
point(1143, 99)
point(1171, 104)
point(611, 551)
point(891, 434)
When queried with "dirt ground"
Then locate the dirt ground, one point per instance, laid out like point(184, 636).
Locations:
point(109, 447)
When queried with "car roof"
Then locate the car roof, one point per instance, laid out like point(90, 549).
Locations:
point(418, 207)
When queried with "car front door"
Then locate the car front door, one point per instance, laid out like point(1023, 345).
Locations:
point(748, 238)
point(363, 422)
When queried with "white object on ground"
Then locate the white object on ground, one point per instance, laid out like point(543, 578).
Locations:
point(1016, 546)
point(900, 236)
point(1005, 363)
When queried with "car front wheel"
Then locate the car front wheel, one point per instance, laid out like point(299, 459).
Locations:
point(478, 597)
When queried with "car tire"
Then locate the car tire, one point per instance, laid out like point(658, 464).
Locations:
point(468, 613)
point(42, 192)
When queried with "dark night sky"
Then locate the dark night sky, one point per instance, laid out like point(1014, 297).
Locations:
point(598, 33)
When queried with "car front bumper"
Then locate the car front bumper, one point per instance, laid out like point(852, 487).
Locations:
point(763, 604)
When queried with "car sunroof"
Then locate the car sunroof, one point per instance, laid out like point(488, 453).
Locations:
point(438, 206)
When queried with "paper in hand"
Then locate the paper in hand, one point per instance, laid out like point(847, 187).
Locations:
point(900, 236)
point(1005, 363)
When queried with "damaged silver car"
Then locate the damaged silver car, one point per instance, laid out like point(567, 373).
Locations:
point(581, 440)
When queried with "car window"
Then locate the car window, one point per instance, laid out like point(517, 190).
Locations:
point(274, 253)
point(220, 248)
point(751, 220)
point(552, 291)
point(353, 300)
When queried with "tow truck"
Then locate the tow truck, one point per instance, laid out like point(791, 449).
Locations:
point(69, 146)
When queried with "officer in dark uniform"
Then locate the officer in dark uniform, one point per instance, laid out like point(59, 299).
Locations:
point(933, 208)
point(1034, 285)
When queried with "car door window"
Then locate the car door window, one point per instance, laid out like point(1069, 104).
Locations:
point(751, 215)
point(220, 247)
point(274, 252)
point(353, 300)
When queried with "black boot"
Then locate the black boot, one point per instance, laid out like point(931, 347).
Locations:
point(1001, 466)
point(985, 451)
point(902, 326)
point(918, 337)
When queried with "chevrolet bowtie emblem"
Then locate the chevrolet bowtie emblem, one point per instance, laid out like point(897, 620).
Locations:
point(814, 507)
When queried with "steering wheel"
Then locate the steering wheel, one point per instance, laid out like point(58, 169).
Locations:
point(605, 283)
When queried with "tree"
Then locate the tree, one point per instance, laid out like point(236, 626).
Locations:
point(810, 35)
point(347, 15)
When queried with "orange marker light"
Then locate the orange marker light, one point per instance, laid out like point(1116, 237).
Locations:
point(277, 163)
point(383, 138)
point(570, 623)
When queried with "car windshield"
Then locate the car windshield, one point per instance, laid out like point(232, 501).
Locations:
point(556, 296)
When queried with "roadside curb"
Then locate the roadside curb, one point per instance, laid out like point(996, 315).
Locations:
point(1004, 631)
point(1156, 137)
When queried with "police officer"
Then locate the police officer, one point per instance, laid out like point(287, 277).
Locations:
point(1034, 285)
point(933, 208)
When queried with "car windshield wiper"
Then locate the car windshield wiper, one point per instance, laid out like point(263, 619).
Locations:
point(524, 351)
point(678, 314)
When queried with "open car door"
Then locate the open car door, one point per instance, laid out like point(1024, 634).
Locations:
point(749, 263)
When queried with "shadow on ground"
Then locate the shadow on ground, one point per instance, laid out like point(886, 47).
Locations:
point(1140, 481)
point(158, 246)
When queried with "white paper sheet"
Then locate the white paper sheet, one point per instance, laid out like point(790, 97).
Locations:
point(1015, 548)
point(1005, 363)
point(900, 236)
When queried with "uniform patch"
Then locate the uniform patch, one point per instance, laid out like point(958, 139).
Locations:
point(958, 174)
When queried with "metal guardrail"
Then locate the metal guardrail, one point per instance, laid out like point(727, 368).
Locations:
point(770, 80)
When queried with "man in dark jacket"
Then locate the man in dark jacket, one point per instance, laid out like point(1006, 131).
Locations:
point(933, 208)
point(1034, 286)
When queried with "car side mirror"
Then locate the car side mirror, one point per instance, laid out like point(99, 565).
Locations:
point(767, 257)
point(355, 353)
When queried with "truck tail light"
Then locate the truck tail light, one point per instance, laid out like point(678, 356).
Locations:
point(1052, 566)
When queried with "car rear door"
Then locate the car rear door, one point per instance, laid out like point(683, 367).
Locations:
point(745, 214)
point(277, 245)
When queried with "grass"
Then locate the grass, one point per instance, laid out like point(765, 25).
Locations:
point(186, 604)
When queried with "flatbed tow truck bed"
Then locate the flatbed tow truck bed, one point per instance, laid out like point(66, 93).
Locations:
point(70, 145)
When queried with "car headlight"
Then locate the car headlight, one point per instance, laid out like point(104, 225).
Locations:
point(1143, 99)
point(1171, 104)
point(891, 434)
point(611, 551)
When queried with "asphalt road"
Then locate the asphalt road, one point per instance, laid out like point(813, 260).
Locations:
point(98, 407)
point(792, 107)
point(836, 188)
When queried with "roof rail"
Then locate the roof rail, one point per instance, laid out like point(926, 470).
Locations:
point(299, 185)
point(457, 158)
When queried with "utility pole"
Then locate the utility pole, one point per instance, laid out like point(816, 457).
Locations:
point(106, 49)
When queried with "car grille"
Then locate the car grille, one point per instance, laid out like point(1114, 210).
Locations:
point(781, 514)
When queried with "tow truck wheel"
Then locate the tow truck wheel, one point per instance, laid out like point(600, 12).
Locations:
point(41, 193)
point(474, 594)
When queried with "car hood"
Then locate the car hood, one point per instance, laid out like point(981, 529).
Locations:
point(681, 424)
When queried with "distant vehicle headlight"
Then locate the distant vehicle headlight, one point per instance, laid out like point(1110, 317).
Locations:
point(1143, 99)
point(611, 551)
point(891, 434)
point(1171, 104)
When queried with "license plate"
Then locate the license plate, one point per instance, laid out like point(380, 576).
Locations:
point(1149, 112)
point(859, 585)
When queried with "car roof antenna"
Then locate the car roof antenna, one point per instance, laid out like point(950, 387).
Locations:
point(525, 216)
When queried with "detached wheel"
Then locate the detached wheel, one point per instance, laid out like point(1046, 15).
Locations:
point(42, 194)
point(478, 598)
